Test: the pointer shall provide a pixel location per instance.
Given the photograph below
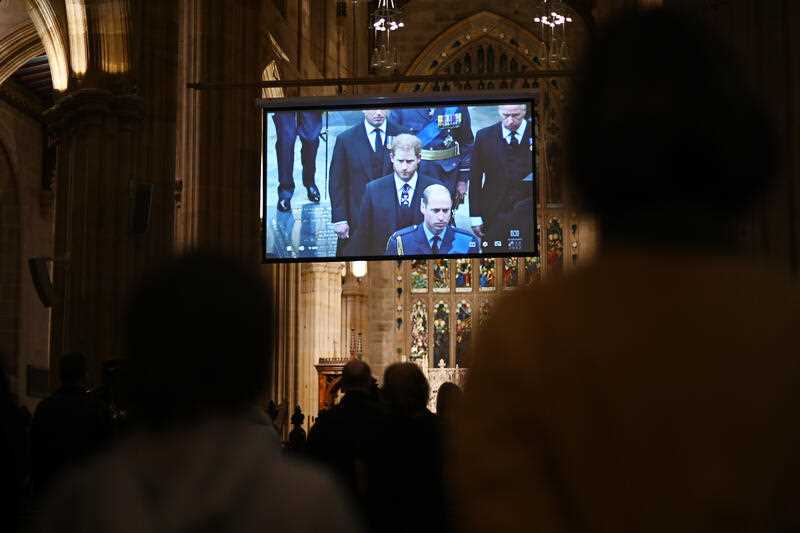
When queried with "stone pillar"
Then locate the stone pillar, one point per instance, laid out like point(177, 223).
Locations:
point(284, 281)
point(96, 253)
point(354, 314)
point(115, 131)
point(219, 132)
point(321, 318)
point(385, 339)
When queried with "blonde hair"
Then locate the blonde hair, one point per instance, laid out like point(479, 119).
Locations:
point(405, 141)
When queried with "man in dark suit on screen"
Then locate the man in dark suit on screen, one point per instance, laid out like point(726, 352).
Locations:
point(359, 156)
point(392, 202)
point(502, 159)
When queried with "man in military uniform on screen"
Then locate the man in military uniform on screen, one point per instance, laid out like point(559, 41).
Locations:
point(446, 136)
point(435, 235)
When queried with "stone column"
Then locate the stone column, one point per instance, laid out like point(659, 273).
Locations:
point(385, 338)
point(284, 281)
point(95, 250)
point(219, 132)
point(354, 314)
point(115, 130)
point(321, 318)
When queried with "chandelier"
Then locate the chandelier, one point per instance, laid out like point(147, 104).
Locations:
point(552, 18)
point(385, 20)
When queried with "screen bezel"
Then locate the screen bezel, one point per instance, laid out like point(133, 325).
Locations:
point(343, 103)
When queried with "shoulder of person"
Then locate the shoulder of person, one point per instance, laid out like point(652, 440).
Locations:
point(408, 230)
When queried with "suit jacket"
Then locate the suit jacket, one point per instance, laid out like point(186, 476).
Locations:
point(379, 213)
point(500, 191)
point(415, 242)
point(351, 169)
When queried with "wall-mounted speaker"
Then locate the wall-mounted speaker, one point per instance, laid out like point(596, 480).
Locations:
point(140, 216)
point(40, 274)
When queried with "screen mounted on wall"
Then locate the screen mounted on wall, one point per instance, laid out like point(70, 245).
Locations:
point(399, 177)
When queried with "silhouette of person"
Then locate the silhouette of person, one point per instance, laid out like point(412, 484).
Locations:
point(668, 400)
point(68, 426)
point(344, 435)
point(14, 457)
point(200, 355)
point(409, 458)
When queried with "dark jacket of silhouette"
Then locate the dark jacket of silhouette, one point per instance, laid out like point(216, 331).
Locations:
point(343, 436)
point(67, 428)
point(406, 483)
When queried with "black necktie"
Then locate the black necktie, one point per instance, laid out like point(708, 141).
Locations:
point(435, 245)
point(514, 141)
point(378, 141)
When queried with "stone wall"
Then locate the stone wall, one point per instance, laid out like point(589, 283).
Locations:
point(26, 230)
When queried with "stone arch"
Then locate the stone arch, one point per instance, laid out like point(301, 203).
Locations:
point(482, 26)
point(52, 32)
point(17, 48)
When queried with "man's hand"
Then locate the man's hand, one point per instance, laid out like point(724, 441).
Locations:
point(478, 230)
point(342, 229)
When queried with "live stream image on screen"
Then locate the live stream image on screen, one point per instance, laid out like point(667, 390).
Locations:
point(400, 180)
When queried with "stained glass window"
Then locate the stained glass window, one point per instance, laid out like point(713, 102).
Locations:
point(463, 331)
point(487, 275)
point(441, 335)
point(532, 271)
point(510, 273)
point(441, 275)
point(419, 276)
point(419, 331)
point(463, 275)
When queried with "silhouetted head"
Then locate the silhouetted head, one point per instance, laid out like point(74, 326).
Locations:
point(667, 142)
point(72, 368)
point(356, 376)
point(448, 399)
point(199, 333)
point(405, 389)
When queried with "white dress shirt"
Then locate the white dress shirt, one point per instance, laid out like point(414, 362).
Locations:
point(398, 184)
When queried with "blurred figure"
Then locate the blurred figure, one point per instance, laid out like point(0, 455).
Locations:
point(69, 426)
point(199, 350)
point(448, 401)
point(668, 401)
point(14, 457)
point(297, 436)
point(406, 486)
point(344, 435)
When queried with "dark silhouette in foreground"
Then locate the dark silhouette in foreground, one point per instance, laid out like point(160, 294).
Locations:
point(69, 426)
point(199, 346)
point(668, 399)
